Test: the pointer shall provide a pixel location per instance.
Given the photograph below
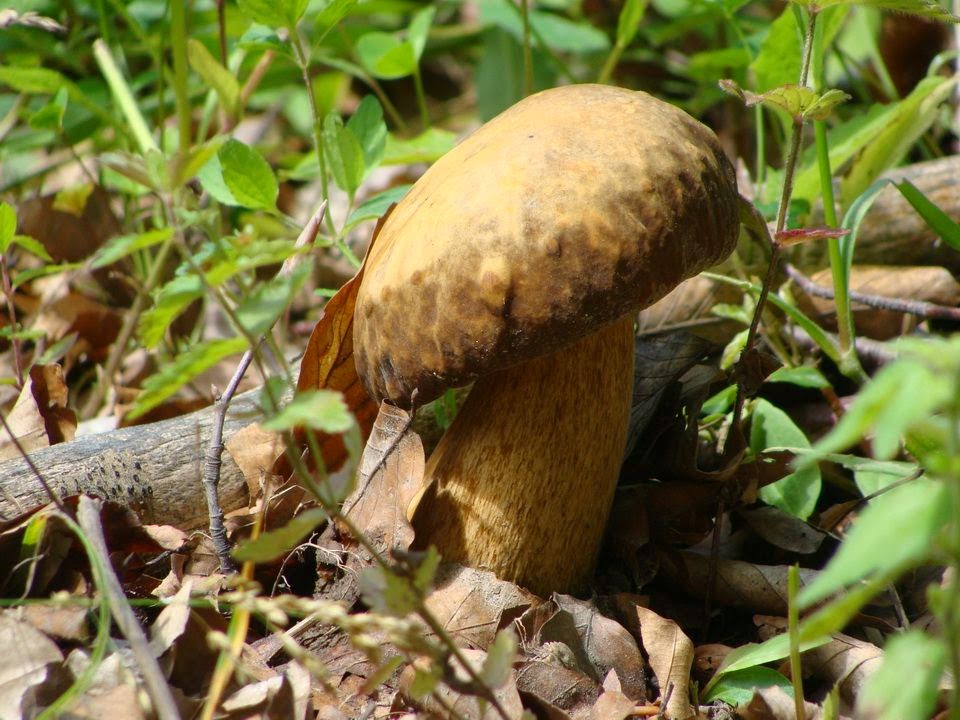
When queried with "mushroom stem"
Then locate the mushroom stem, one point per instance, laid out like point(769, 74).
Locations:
point(523, 480)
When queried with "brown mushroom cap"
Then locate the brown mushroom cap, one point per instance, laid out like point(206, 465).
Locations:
point(570, 209)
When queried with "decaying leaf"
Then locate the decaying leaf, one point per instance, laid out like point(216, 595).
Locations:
point(25, 665)
point(472, 605)
point(844, 661)
point(40, 417)
point(760, 588)
point(328, 364)
point(773, 703)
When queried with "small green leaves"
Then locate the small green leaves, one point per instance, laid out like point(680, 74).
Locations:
point(930, 9)
point(797, 101)
point(737, 687)
point(344, 154)
point(238, 175)
point(322, 410)
point(8, 236)
point(796, 493)
point(386, 56)
point(907, 684)
point(274, 13)
point(124, 245)
point(274, 544)
point(896, 531)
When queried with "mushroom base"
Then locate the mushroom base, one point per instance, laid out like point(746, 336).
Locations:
point(522, 482)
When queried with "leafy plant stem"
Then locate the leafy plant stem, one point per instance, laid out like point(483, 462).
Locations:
point(130, 320)
point(304, 63)
point(124, 97)
point(793, 620)
point(12, 313)
point(849, 362)
point(610, 63)
point(421, 97)
point(178, 39)
point(527, 51)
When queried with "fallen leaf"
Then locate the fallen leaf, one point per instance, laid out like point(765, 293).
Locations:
point(40, 417)
point(254, 449)
point(472, 605)
point(844, 661)
point(783, 530)
point(328, 364)
point(760, 588)
point(24, 666)
point(61, 622)
point(171, 622)
point(558, 686)
point(670, 654)
point(612, 705)
point(773, 703)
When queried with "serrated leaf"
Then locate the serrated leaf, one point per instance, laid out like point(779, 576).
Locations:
point(778, 61)
point(797, 101)
point(174, 375)
point(274, 544)
point(918, 511)
point(386, 56)
point(737, 688)
point(907, 683)
point(629, 21)
point(798, 492)
point(214, 74)
point(323, 410)
point(419, 27)
point(370, 130)
point(119, 247)
point(8, 226)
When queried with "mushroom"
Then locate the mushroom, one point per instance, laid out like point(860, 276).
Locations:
point(518, 261)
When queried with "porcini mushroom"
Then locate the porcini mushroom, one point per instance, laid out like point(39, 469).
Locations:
point(517, 261)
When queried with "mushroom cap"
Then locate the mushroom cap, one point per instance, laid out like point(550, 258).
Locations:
point(570, 209)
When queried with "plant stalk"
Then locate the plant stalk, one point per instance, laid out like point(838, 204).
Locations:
point(178, 39)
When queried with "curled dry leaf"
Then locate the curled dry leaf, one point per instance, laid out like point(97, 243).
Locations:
point(669, 652)
point(328, 364)
point(554, 686)
point(844, 661)
point(40, 417)
point(23, 670)
point(783, 530)
point(760, 588)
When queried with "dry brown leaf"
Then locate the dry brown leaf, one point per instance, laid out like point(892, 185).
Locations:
point(773, 703)
point(95, 324)
point(61, 622)
point(783, 530)
point(23, 666)
point(760, 588)
point(844, 661)
point(254, 449)
point(40, 417)
point(670, 654)
point(328, 364)
point(390, 474)
point(472, 605)
point(688, 306)
point(608, 646)
point(121, 701)
point(553, 685)
point(171, 622)
point(612, 705)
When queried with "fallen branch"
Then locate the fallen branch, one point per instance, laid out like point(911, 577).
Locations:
point(155, 469)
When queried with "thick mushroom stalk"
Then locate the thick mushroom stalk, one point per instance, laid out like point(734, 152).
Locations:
point(512, 263)
point(522, 482)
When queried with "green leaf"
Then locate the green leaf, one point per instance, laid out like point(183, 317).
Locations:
point(499, 661)
point(370, 130)
point(174, 375)
point(384, 592)
point(941, 223)
point(386, 56)
point(376, 206)
point(557, 32)
point(33, 80)
point(737, 688)
point(419, 27)
point(321, 410)
point(752, 655)
point(171, 299)
point(274, 13)
point(913, 116)
point(214, 74)
point(798, 492)
point(274, 544)
point(778, 62)
point(929, 9)
point(119, 247)
point(344, 154)
point(8, 226)
point(906, 685)
point(50, 116)
point(804, 376)
point(260, 309)
point(32, 246)
point(427, 147)
point(797, 101)
point(328, 18)
point(896, 531)
point(629, 21)
point(898, 396)
point(238, 175)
